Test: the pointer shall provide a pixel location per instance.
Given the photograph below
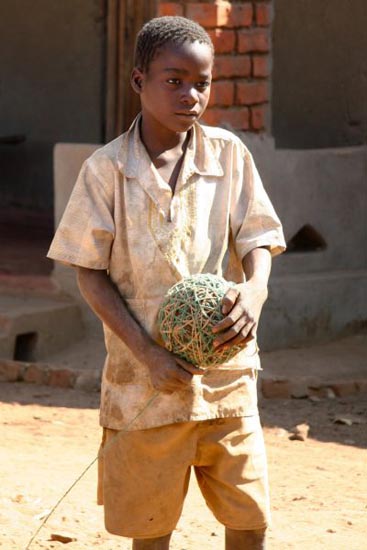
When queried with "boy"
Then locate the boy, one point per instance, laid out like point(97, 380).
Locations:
point(170, 198)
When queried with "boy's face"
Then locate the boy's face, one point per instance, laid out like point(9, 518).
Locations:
point(175, 90)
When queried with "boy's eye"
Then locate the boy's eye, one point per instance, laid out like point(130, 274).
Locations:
point(174, 81)
point(203, 85)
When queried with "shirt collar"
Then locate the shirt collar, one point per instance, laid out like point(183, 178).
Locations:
point(200, 157)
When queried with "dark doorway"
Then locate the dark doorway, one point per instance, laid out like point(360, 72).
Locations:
point(51, 90)
point(25, 346)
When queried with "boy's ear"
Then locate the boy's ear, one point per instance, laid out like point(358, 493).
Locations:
point(136, 80)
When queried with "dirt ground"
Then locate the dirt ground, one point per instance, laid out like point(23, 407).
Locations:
point(50, 435)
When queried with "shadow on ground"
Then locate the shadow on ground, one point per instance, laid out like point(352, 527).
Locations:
point(323, 417)
point(338, 420)
point(47, 396)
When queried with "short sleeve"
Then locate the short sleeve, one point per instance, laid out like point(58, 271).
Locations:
point(86, 230)
point(254, 222)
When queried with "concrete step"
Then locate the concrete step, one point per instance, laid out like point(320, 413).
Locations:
point(33, 326)
point(333, 370)
point(337, 368)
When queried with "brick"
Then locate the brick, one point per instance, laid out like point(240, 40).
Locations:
point(258, 117)
point(361, 386)
point(36, 374)
point(241, 15)
point(236, 118)
point(343, 388)
point(252, 93)
point(260, 66)
point(89, 381)
point(222, 93)
point(227, 66)
point(253, 40)
point(321, 392)
point(263, 14)
point(10, 371)
point(271, 388)
point(224, 40)
point(209, 15)
point(62, 378)
point(299, 389)
point(170, 8)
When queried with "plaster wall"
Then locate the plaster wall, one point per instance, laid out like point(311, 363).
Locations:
point(68, 159)
point(326, 188)
point(314, 296)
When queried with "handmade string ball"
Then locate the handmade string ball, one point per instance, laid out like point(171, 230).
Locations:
point(187, 315)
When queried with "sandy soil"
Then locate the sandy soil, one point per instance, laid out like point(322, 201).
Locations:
point(49, 436)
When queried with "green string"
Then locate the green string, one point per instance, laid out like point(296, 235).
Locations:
point(187, 315)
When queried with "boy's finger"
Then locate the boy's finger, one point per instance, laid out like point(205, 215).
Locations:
point(242, 326)
point(229, 320)
point(188, 367)
point(240, 340)
point(229, 300)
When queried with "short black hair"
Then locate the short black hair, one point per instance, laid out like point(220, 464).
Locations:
point(160, 31)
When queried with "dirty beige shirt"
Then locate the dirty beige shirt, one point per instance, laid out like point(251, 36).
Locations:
point(122, 217)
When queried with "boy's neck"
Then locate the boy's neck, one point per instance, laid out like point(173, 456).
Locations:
point(158, 143)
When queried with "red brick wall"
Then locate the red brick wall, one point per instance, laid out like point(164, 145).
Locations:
point(241, 33)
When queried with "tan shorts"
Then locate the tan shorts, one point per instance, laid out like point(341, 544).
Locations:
point(144, 475)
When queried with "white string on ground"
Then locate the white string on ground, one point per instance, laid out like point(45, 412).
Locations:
point(147, 404)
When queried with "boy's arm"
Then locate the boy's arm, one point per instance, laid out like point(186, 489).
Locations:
point(167, 371)
point(243, 303)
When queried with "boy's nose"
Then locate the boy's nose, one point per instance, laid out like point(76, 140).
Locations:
point(190, 96)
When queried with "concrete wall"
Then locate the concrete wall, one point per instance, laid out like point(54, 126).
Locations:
point(68, 159)
point(319, 73)
point(325, 188)
point(314, 296)
point(51, 89)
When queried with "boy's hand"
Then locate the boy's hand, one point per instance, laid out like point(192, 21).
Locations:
point(242, 306)
point(168, 372)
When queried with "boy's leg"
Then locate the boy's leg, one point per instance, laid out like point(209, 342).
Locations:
point(161, 543)
point(245, 540)
point(235, 540)
point(232, 475)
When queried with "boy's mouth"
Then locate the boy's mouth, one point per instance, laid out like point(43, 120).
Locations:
point(187, 114)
